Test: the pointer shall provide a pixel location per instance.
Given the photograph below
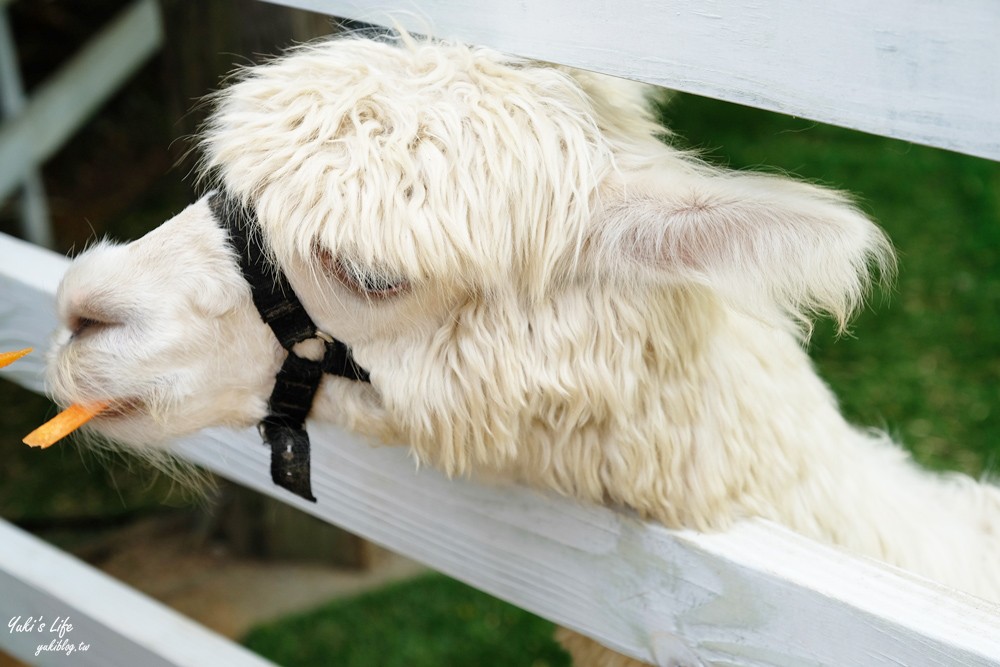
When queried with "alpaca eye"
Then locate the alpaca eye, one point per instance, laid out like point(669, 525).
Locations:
point(368, 282)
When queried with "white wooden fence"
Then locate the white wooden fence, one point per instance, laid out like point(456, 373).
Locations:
point(758, 595)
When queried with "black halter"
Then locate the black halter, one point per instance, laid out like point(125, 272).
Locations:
point(298, 380)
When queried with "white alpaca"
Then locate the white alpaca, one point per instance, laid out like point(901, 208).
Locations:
point(540, 288)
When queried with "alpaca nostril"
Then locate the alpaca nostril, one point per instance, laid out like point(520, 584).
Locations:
point(81, 325)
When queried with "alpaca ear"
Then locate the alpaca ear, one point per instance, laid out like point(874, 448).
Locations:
point(760, 242)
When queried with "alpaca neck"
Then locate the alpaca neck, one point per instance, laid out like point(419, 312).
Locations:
point(861, 491)
point(871, 499)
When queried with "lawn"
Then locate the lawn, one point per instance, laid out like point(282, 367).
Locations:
point(432, 621)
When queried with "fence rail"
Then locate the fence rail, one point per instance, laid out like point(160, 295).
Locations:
point(59, 611)
point(756, 595)
point(923, 71)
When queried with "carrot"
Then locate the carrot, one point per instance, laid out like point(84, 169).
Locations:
point(7, 358)
point(64, 423)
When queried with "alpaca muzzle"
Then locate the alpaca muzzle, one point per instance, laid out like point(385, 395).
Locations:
point(295, 386)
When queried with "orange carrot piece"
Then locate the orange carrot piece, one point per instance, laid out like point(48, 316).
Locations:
point(64, 423)
point(7, 358)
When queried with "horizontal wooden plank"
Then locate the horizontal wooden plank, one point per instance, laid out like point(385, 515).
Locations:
point(61, 104)
point(57, 610)
point(757, 595)
point(925, 72)
point(29, 276)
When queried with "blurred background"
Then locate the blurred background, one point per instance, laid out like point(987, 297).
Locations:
point(922, 361)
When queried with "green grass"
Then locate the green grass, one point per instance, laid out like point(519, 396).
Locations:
point(432, 621)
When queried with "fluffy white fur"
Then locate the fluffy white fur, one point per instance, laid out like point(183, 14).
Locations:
point(585, 308)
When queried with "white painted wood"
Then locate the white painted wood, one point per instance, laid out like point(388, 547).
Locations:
point(64, 102)
point(925, 71)
point(120, 626)
point(755, 596)
point(29, 276)
point(34, 208)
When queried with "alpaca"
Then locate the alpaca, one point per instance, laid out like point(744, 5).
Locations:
point(541, 289)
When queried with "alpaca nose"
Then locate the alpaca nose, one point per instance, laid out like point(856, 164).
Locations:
point(90, 298)
point(83, 322)
point(82, 325)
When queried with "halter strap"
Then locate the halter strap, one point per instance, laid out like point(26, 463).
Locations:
point(295, 387)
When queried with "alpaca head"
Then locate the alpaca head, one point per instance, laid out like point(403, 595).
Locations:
point(507, 247)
